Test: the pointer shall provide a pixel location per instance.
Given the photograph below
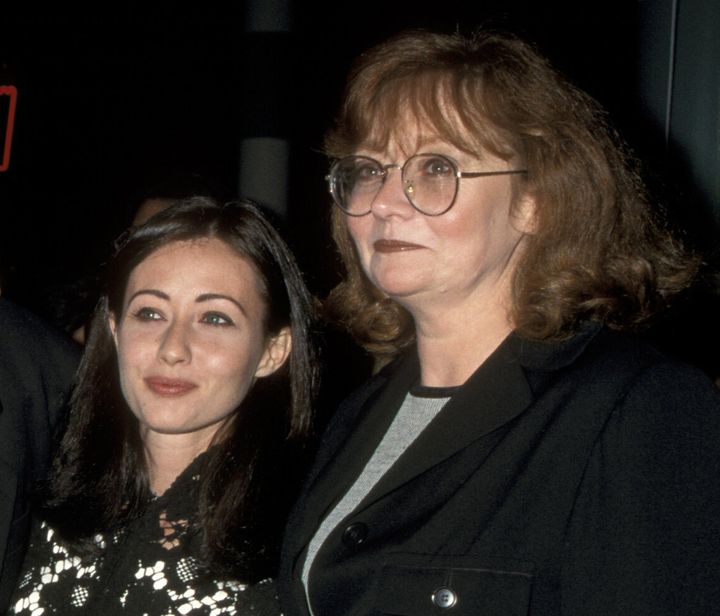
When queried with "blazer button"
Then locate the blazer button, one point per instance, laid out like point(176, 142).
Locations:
point(444, 597)
point(355, 534)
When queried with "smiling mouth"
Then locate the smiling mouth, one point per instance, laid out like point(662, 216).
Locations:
point(394, 246)
point(169, 388)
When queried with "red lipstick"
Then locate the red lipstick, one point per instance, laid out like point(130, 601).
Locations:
point(169, 388)
point(394, 246)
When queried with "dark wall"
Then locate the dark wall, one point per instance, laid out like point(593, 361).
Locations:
point(106, 102)
point(678, 131)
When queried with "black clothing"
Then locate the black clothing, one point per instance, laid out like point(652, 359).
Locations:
point(577, 478)
point(151, 566)
point(37, 367)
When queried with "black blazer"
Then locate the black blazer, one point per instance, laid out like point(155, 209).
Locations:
point(579, 478)
point(37, 365)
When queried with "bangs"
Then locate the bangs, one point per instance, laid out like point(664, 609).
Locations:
point(412, 109)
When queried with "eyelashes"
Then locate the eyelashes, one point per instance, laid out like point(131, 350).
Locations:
point(212, 318)
point(147, 314)
point(217, 319)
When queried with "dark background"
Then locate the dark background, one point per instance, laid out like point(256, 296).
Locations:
point(109, 102)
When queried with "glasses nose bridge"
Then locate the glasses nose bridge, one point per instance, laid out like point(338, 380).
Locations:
point(384, 169)
point(382, 186)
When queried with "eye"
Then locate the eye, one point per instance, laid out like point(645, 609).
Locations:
point(217, 319)
point(147, 314)
point(437, 167)
point(364, 172)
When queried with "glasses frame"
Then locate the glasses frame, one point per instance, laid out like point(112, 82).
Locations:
point(331, 179)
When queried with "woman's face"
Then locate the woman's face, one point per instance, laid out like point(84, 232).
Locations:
point(190, 340)
point(466, 255)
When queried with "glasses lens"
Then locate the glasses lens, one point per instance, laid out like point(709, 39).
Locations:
point(430, 182)
point(354, 182)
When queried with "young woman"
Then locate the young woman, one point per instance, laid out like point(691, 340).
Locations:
point(192, 405)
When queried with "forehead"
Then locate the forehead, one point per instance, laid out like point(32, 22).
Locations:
point(188, 265)
point(409, 121)
point(407, 132)
point(182, 250)
point(411, 138)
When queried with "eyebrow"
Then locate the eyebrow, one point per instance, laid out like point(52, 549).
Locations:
point(205, 297)
point(153, 292)
point(428, 145)
point(210, 296)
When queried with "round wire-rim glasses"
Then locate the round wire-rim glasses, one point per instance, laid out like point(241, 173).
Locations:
point(425, 177)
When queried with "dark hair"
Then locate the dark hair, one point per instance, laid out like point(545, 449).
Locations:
point(248, 474)
point(598, 253)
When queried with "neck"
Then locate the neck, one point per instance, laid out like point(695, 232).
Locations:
point(453, 342)
point(168, 455)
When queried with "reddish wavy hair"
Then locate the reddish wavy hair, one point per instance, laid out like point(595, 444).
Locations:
point(599, 253)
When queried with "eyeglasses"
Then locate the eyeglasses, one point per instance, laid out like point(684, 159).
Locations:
point(430, 182)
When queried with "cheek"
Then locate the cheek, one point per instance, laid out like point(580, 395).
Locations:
point(132, 349)
point(225, 364)
point(132, 359)
point(130, 368)
point(474, 228)
point(229, 375)
point(231, 362)
point(359, 229)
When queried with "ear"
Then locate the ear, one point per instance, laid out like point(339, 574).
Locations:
point(524, 215)
point(276, 352)
point(112, 324)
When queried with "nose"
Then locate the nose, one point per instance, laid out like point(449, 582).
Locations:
point(175, 344)
point(392, 199)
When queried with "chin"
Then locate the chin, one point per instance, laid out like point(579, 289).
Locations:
point(398, 287)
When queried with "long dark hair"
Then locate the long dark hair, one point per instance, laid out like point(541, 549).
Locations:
point(247, 476)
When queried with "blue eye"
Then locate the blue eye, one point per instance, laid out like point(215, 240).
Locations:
point(217, 319)
point(147, 314)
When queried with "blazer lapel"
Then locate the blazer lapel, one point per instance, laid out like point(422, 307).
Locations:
point(350, 438)
point(495, 394)
point(502, 388)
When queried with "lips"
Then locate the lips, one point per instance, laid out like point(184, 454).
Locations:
point(169, 387)
point(394, 246)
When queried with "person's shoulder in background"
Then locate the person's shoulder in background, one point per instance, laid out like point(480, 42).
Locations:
point(37, 372)
point(34, 352)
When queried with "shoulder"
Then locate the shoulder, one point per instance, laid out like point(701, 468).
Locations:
point(602, 359)
point(648, 499)
point(654, 405)
point(24, 333)
point(37, 371)
point(32, 351)
point(625, 391)
point(642, 370)
point(664, 402)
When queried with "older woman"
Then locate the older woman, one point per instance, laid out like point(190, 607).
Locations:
point(193, 398)
point(519, 454)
